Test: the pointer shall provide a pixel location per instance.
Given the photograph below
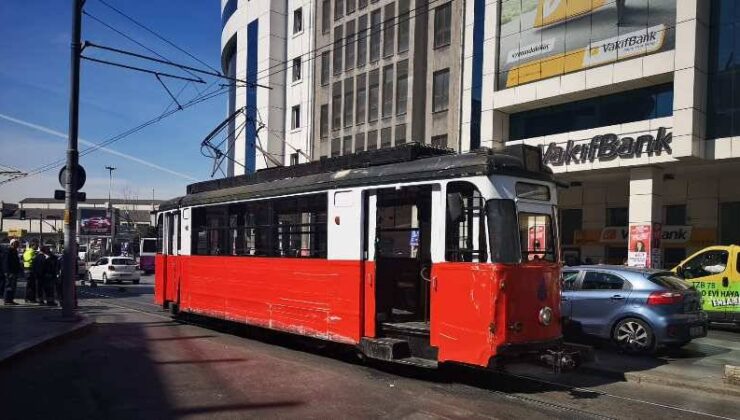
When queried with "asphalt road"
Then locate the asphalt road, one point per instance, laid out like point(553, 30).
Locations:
point(136, 362)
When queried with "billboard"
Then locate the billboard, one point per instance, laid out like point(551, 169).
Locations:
point(546, 38)
point(95, 222)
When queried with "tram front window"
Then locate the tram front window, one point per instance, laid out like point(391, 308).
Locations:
point(535, 237)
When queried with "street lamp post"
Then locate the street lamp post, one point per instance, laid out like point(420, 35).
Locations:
point(110, 206)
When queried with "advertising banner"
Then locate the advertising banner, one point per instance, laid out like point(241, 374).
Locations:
point(546, 38)
point(637, 255)
point(644, 246)
point(95, 222)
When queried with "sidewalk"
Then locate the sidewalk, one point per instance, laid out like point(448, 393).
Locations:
point(25, 327)
point(700, 365)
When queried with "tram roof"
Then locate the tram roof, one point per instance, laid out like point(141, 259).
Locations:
point(413, 163)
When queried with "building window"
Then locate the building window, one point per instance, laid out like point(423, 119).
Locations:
point(675, 215)
point(402, 86)
point(400, 134)
point(336, 106)
point(359, 142)
point(325, 68)
point(338, 41)
point(387, 90)
point(372, 140)
point(361, 100)
point(361, 4)
point(723, 96)
point(571, 221)
point(294, 159)
point(361, 40)
point(403, 25)
point(229, 10)
point(350, 6)
point(338, 9)
point(347, 145)
point(349, 47)
point(389, 31)
point(324, 122)
point(295, 117)
point(297, 20)
point(325, 16)
point(372, 97)
point(442, 23)
point(349, 101)
point(375, 35)
point(296, 69)
point(385, 137)
point(336, 146)
point(441, 90)
point(619, 108)
point(440, 141)
point(617, 216)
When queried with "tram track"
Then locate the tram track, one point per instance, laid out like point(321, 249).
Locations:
point(554, 406)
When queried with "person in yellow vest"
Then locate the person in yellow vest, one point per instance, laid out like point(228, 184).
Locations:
point(31, 282)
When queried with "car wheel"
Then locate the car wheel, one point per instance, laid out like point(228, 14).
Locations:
point(105, 279)
point(634, 336)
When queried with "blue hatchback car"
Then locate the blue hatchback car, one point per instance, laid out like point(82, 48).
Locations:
point(639, 309)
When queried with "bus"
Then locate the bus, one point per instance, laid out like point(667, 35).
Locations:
point(411, 254)
point(147, 254)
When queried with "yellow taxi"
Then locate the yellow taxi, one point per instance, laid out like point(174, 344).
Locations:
point(715, 273)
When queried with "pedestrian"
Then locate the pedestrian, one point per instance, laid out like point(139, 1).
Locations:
point(45, 271)
point(13, 269)
point(31, 282)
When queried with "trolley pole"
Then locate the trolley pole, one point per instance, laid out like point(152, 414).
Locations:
point(70, 198)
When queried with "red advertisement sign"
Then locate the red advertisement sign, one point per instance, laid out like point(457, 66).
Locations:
point(644, 246)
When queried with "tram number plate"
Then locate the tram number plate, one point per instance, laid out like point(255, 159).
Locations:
point(696, 331)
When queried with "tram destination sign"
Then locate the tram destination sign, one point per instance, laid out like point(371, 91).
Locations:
point(608, 147)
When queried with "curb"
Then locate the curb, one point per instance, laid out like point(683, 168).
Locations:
point(24, 347)
point(631, 377)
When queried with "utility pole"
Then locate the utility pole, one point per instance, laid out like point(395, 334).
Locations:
point(110, 207)
point(70, 198)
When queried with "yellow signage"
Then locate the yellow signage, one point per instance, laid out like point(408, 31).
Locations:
point(556, 11)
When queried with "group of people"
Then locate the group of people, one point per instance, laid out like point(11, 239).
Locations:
point(39, 266)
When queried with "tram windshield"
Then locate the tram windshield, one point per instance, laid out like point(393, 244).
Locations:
point(518, 237)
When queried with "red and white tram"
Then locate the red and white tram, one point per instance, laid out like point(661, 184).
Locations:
point(412, 254)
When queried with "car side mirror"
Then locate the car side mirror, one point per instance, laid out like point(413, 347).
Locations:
point(680, 271)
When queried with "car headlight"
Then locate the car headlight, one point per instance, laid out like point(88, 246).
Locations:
point(545, 316)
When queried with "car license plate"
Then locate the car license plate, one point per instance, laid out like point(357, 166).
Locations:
point(696, 331)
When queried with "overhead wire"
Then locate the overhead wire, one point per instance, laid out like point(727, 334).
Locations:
point(160, 37)
point(60, 162)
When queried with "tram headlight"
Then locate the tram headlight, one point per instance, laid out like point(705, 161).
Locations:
point(545, 315)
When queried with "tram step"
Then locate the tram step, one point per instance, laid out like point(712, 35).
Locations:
point(418, 362)
point(385, 348)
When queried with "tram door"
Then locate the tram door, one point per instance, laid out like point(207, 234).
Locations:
point(402, 259)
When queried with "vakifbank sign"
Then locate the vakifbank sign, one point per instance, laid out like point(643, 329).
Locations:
point(546, 38)
point(608, 147)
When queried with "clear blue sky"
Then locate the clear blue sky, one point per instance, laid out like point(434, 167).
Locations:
point(34, 94)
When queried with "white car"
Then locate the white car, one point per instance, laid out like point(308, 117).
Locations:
point(110, 269)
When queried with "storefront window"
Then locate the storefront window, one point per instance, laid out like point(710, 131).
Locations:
point(619, 108)
point(617, 216)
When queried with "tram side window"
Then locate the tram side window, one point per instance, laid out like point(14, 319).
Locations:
point(285, 227)
point(465, 238)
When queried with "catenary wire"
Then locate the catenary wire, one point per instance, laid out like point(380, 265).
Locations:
point(160, 37)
